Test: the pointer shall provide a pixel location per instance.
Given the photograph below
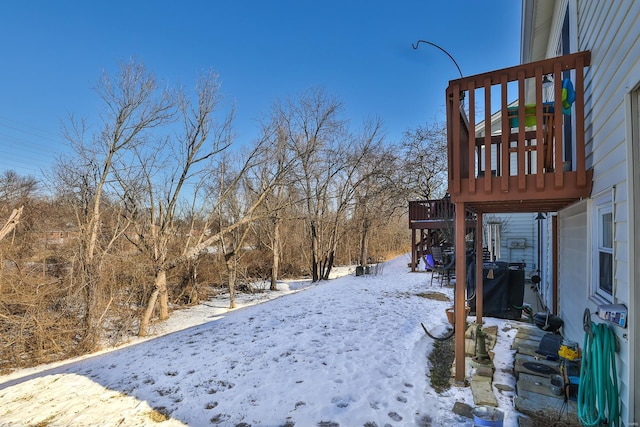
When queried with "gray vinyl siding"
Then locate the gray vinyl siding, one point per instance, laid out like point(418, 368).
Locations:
point(611, 31)
point(519, 226)
point(573, 269)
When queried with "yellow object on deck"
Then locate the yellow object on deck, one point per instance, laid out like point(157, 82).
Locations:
point(529, 114)
point(568, 353)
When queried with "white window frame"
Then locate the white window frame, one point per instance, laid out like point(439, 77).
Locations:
point(602, 208)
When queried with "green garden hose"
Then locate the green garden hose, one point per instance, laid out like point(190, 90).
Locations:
point(598, 399)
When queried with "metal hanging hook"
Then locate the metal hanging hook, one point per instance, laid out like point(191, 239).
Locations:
point(416, 44)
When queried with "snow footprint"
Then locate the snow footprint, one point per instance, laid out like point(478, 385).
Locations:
point(395, 416)
point(342, 401)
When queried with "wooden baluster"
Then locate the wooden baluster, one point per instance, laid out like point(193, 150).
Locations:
point(487, 136)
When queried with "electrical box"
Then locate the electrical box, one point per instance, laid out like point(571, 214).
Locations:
point(517, 243)
point(613, 313)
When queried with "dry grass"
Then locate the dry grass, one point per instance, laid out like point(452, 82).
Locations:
point(437, 296)
point(441, 359)
point(157, 416)
point(46, 422)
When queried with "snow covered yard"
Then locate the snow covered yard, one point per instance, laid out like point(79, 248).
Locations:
point(346, 352)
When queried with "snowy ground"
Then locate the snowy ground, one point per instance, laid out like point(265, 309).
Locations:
point(345, 352)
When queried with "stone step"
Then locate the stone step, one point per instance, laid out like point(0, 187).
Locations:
point(535, 384)
point(528, 348)
point(521, 359)
point(530, 332)
point(551, 407)
point(482, 391)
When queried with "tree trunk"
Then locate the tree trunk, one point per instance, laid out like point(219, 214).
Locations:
point(327, 265)
point(194, 297)
point(315, 265)
point(364, 242)
point(275, 267)
point(11, 223)
point(146, 318)
point(159, 295)
point(329, 257)
point(163, 294)
point(230, 261)
point(89, 281)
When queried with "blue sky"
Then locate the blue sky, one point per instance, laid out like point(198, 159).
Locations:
point(54, 51)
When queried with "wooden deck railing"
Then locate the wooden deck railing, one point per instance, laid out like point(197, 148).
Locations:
point(430, 210)
point(518, 153)
point(430, 214)
point(432, 223)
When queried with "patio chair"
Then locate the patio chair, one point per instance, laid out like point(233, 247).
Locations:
point(442, 265)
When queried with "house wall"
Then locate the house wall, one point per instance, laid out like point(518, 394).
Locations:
point(518, 227)
point(573, 269)
point(633, 119)
point(611, 31)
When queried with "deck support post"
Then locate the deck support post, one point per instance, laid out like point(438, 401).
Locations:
point(414, 256)
point(460, 288)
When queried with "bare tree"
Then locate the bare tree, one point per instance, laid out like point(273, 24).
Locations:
point(331, 166)
point(14, 188)
point(275, 208)
point(232, 246)
point(374, 185)
point(155, 187)
point(230, 209)
point(315, 134)
point(134, 104)
point(250, 211)
point(258, 192)
point(424, 168)
point(355, 174)
point(200, 161)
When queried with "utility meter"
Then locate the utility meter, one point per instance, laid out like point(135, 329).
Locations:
point(613, 313)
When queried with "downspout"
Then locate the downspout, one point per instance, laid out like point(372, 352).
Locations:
point(554, 264)
point(614, 282)
point(479, 288)
point(632, 103)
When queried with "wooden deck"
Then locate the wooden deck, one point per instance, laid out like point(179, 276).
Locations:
point(431, 223)
point(530, 156)
point(535, 153)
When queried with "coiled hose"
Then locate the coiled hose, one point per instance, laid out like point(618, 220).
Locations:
point(598, 399)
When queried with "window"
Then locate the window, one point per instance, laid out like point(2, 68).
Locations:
point(605, 253)
point(603, 248)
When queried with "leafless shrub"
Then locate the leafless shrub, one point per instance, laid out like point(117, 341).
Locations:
point(38, 320)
